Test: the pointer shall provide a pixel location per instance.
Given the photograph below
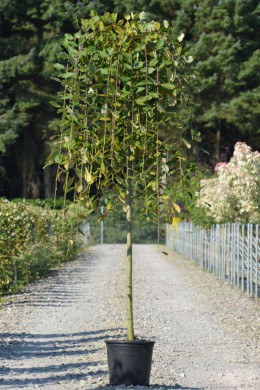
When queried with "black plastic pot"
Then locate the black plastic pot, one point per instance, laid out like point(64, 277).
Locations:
point(129, 362)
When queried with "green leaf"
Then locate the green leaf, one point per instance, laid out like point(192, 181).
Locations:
point(58, 158)
point(125, 78)
point(162, 65)
point(142, 100)
point(55, 104)
point(140, 89)
point(67, 75)
point(103, 168)
point(153, 62)
point(196, 138)
point(104, 70)
point(168, 86)
point(178, 51)
point(93, 13)
point(67, 185)
point(144, 82)
point(154, 95)
point(69, 37)
point(101, 25)
point(150, 69)
point(58, 66)
point(160, 43)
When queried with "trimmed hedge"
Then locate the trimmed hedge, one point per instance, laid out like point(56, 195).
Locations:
point(34, 239)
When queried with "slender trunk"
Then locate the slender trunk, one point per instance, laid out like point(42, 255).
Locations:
point(48, 193)
point(24, 166)
point(218, 136)
point(130, 321)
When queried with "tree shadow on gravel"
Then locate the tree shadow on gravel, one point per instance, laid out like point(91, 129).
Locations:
point(176, 386)
point(41, 359)
point(52, 293)
point(155, 387)
point(61, 288)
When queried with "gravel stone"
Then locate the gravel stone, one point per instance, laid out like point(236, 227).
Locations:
point(206, 331)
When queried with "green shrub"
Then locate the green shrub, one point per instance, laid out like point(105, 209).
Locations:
point(33, 239)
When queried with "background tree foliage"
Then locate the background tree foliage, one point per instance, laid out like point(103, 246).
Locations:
point(223, 37)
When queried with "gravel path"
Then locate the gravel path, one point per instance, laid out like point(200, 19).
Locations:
point(206, 331)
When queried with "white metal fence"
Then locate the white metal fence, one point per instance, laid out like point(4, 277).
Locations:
point(231, 251)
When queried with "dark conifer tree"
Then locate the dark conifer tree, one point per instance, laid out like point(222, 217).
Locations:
point(224, 40)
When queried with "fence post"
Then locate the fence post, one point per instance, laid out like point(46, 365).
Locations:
point(243, 258)
point(257, 260)
point(238, 255)
point(251, 258)
point(102, 227)
point(248, 261)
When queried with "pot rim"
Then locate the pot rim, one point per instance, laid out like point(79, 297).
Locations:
point(130, 342)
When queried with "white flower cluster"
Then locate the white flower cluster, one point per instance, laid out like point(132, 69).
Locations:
point(234, 194)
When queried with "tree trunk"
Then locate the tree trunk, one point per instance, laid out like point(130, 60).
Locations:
point(48, 187)
point(130, 321)
point(218, 136)
point(28, 165)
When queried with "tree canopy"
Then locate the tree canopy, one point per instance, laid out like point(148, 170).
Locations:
point(124, 102)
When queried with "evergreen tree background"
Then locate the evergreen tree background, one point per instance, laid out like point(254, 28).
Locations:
point(222, 36)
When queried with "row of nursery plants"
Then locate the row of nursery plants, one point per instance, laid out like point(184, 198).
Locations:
point(34, 238)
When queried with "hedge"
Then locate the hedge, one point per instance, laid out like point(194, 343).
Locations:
point(34, 239)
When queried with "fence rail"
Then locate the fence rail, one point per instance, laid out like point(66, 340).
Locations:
point(231, 251)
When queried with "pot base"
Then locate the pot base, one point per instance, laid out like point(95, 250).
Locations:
point(129, 362)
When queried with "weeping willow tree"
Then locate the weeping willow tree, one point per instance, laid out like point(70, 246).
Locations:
point(124, 107)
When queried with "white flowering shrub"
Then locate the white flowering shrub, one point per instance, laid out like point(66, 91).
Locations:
point(233, 195)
